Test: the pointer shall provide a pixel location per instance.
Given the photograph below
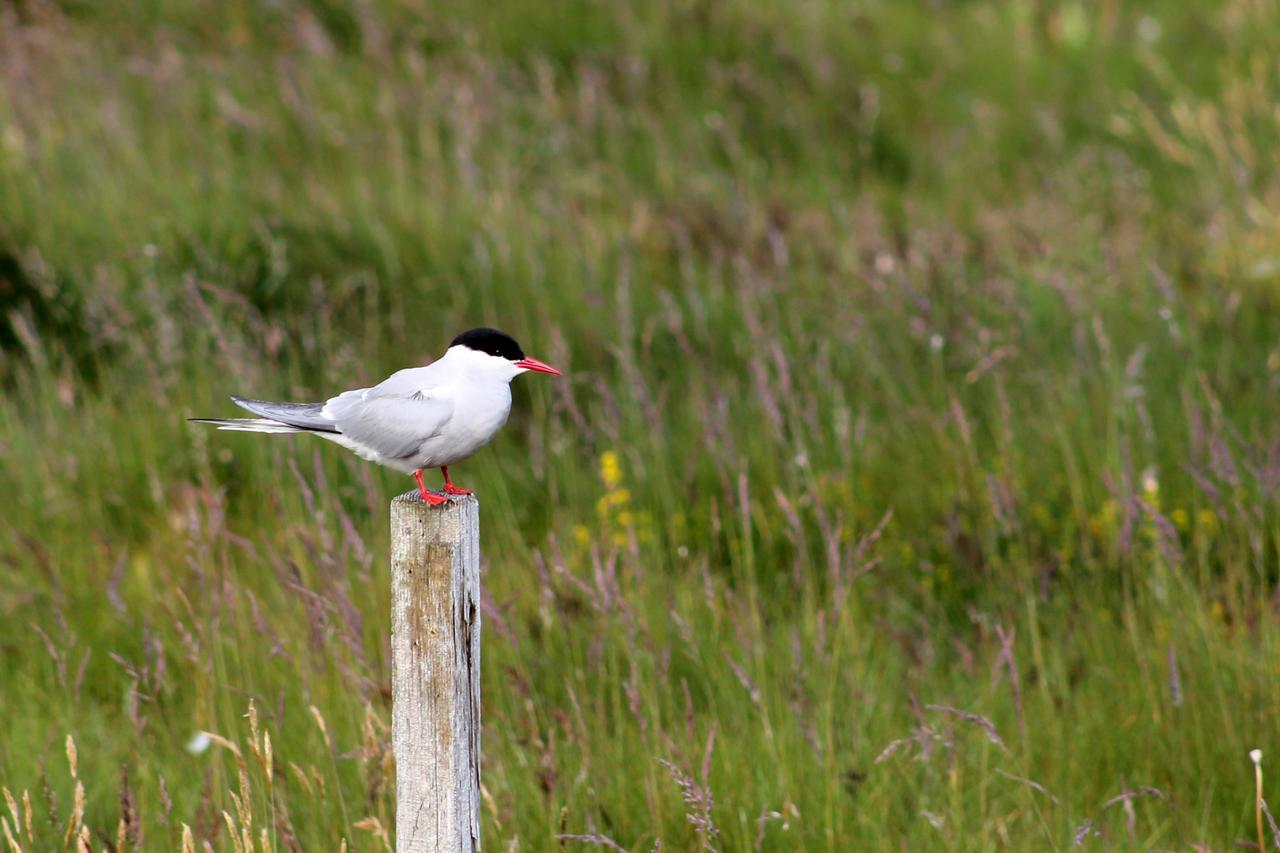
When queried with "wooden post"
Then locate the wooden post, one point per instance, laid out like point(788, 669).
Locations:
point(435, 673)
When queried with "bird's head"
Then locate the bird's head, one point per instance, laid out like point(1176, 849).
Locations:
point(494, 353)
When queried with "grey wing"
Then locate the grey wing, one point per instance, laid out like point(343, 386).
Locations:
point(303, 416)
point(395, 426)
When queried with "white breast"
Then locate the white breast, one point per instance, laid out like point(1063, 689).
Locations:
point(479, 412)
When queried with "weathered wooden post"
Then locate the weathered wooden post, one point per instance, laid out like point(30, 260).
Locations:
point(435, 673)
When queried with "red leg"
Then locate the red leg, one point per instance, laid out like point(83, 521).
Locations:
point(449, 487)
point(429, 497)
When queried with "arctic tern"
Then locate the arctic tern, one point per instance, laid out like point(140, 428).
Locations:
point(418, 418)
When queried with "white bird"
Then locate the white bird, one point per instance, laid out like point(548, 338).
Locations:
point(421, 417)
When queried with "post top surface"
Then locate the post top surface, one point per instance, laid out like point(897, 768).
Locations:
point(414, 497)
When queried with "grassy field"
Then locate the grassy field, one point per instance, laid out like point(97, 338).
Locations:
point(914, 483)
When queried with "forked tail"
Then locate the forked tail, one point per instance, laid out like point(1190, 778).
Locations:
point(275, 418)
point(248, 424)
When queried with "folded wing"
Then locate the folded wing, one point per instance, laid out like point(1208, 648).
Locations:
point(393, 425)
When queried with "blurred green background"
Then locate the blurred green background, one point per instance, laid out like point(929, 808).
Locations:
point(913, 483)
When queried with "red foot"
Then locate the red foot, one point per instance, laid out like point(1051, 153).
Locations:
point(430, 497)
point(450, 488)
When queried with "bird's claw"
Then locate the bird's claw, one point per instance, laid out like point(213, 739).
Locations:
point(451, 489)
point(431, 498)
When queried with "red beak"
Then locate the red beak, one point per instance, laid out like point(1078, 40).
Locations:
point(541, 367)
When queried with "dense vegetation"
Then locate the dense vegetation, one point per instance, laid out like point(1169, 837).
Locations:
point(914, 481)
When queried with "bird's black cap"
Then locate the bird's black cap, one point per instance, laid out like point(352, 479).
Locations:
point(490, 341)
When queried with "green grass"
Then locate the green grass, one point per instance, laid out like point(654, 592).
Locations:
point(921, 376)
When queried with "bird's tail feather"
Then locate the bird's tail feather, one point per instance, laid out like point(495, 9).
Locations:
point(307, 417)
point(249, 425)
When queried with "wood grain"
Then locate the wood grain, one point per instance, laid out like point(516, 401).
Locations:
point(435, 673)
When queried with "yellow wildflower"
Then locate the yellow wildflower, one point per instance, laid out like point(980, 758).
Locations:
point(610, 469)
point(617, 498)
point(1207, 521)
